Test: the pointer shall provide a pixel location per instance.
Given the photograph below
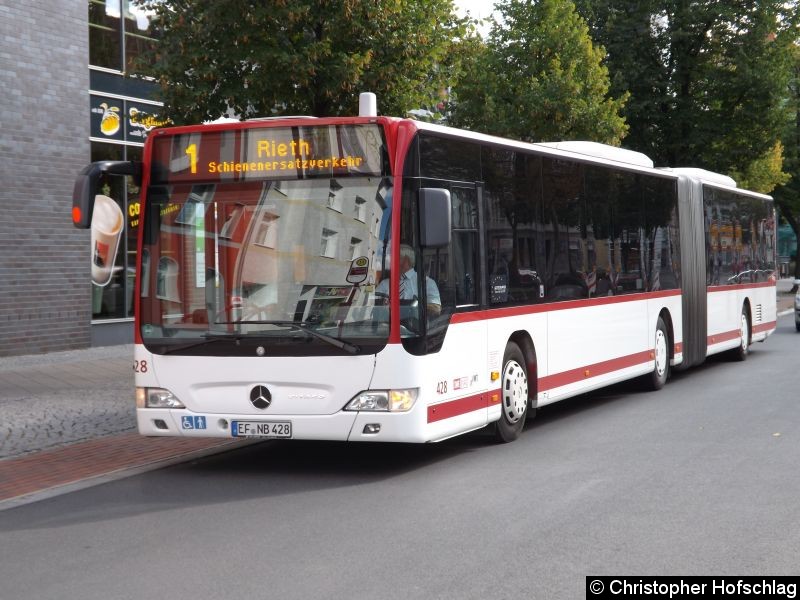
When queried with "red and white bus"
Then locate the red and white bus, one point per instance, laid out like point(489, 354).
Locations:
point(550, 270)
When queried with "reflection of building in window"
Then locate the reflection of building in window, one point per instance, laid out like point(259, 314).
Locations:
point(355, 248)
point(328, 244)
point(179, 160)
point(145, 278)
point(167, 279)
point(360, 211)
point(334, 196)
point(267, 233)
point(186, 216)
point(229, 226)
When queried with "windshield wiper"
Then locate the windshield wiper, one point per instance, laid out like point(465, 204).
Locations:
point(207, 339)
point(295, 325)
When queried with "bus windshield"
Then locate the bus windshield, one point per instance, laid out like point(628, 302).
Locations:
point(270, 261)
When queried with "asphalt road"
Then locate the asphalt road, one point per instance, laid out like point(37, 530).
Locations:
point(700, 478)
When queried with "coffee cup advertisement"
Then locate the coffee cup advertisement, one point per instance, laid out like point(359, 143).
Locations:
point(106, 230)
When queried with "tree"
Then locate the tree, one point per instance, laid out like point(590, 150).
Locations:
point(310, 57)
point(538, 78)
point(787, 196)
point(707, 79)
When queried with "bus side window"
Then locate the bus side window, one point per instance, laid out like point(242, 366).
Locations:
point(512, 207)
point(567, 272)
point(465, 244)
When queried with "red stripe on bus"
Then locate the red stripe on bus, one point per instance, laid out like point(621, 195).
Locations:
point(739, 286)
point(515, 311)
point(725, 336)
point(765, 327)
point(550, 382)
point(454, 408)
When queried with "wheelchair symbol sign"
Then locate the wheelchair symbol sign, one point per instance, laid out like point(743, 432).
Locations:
point(193, 422)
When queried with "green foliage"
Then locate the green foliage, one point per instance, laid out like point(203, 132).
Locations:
point(310, 57)
point(787, 196)
point(763, 173)
point(539, 77)
point(707, 79)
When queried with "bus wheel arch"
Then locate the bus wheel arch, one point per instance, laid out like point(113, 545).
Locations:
point(517, 387)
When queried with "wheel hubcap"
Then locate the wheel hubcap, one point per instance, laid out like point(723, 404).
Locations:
point(515, 391)
point(744, 332)
point(661, 353)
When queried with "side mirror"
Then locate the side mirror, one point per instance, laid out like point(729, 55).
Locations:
point(87, 183)
point(434, 217)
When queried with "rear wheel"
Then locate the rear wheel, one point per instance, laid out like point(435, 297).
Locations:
point(743, 349)
point(658, 377)
point(514, 394)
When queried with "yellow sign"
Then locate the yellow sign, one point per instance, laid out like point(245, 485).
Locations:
point(144, 120)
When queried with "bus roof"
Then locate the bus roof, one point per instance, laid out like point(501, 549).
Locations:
point(581, 150)
point(714, 179)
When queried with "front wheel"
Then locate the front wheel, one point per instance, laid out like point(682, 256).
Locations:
point(658, 377)
point(514, 394)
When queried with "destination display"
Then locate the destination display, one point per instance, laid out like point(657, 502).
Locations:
point(269, 153)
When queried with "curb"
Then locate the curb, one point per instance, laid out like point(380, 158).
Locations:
point(51, 473)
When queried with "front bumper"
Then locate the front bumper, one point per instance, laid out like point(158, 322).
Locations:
point(341, 426)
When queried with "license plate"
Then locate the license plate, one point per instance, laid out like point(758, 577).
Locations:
point(263, 429)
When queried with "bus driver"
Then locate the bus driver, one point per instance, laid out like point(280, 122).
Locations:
point(408, 283)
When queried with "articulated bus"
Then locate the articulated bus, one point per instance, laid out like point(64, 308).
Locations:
point(272, 256)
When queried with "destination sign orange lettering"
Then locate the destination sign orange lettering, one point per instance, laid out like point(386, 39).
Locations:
point(263, 153)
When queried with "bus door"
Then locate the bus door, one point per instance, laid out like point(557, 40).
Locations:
point(458, 271)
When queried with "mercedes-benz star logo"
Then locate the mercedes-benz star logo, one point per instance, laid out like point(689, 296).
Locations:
point(260, 397)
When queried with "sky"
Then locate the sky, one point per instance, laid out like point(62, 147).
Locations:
point(478, 9)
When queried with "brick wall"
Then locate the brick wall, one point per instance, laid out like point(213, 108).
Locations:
point(45, 290)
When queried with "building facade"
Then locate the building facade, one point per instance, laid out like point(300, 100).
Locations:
point(66, 101)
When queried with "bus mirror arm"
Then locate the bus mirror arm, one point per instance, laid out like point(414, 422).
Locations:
point(88, 181)
point(434, 217)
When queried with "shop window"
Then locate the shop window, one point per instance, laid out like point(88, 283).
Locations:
point(138, 38)
point(109, 300)
point(105, 47)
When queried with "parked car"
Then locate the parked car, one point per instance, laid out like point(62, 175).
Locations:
point(797, 310)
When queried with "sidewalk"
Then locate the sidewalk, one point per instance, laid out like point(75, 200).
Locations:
point(49, 400)
point(67, 420)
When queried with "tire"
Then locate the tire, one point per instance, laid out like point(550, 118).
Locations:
point(658, 377)
point(740, 353)
point(514, 395)
point(797, 325)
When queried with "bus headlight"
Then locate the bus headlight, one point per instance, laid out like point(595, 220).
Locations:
point(156, 398)
point(384, 400)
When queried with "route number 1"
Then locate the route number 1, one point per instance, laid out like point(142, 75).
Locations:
point(191, 150)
